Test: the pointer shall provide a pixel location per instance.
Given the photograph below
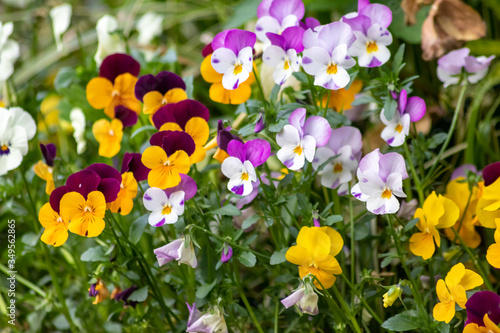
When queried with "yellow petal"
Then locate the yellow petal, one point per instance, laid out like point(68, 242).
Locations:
point(486, 218)
point(208, 72)
point(237, 96)
point(497, 231)
point(442, 292)
point(220, 155)
point(152, 102)
point(70, 205)
point(459, 295)
point(422, 244)
point(197, 127)
point(451, 213)
point(444, 311)
point(473, 328)
point(490, 325)
point(174, 95)
point(315, 240)
point(48, 217)
point(124, 201)
point(433, 209)
point(492, 191)
point(153, 157)
point(96, 200)
point(455, 275)
point(422, 222)
point(328, 264)
point(336, 241)
point(493, 255)
point(99, 92)
point(171, 127)
point(50, 186)
point(198, 155)
point(471, 280)
point(160, 178)
point(180, 162)
point(327, 280)
point(299, 255)
point(90, 224)
point(56, 235)
point(109, 135)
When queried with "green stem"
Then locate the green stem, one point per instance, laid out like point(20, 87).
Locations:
point(32, 203)
point(259, 86)
point(414, 174)
point(366, 305)
point(276, 314)
point(346, 309)
point(245, 300)
point(353, 246)
point(25, 282)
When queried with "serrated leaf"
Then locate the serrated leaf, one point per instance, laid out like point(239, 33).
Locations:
point(278, 257)
point(333, 219)
point(405, 321)
point(229, 210)
point(411, 224)
point(139, 295)
point(248, 259)
point(94, 254)
point(205, 289)
point(250, 221)
point(137, 228)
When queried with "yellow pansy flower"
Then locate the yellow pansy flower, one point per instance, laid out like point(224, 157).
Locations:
point(451, 291)
point(109, 135)
point(154, 100)
point(489, 326)
point(56, 228)
point(438, 212)
point(165, 170)
point(86, 216)
point(44, 171)
point(493, 253)
point(488, 206)
point(315, 254)
point(128, 191)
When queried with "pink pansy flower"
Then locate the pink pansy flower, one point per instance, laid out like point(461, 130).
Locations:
point(299, 139)
point(380, 182)
point(233, 56)
point(372, 37)
point(283, 53)
point(326, 55)
point(450, 67)
point(277, 15)
point(345, 142)
point(240, 166)
point(177, 250)
point(408, 110)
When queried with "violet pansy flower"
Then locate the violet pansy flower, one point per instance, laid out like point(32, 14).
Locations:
point(227, 253)
point(233, 56)
point(282, 55)
point(450, 67)
point(299, 139)
point(240, 166)
point(380, 182)
point(177, 250)
point(326, 54)
point(211, 321)
point(277, 15)
point(346, 143)
point(408, 110)
point(480, 304)
point(372, 37)
point(167, 205)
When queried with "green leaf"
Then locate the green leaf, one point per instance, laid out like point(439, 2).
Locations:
point(250, 221)
point(94, 254)
point(139, 295)
point(274, 94)
point(301, 77)
point(248, 259)
point(30, 239)
point(137, 228)
point(278, 257)
point(276, 127)
point(205, 289)
point(389, 106)
point(244, 12)
point(398, 60)
point(411, 224)
point(443, 327)
point(189, 86)
point(64, 78)
point(142, 129)
point(405, 321)
point(132, 275)
point(229, 210)
point(364, 99)
point(333, 219)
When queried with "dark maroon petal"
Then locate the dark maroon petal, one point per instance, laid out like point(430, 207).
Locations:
point(187, 109)
point(187, 184)
point(56, 196)
point(164, 115)
point(491, 172)
point(224, 136)
point(105, 171)
point(49, 153)
point(162, 82)
point(117, 64)
point(171, 141)
point(132, 162)
point(237, 149)
point(83, 182)
point(110, 188)
point(124, 295)
point(127, 116)
point(207, 50)
point(481, 303)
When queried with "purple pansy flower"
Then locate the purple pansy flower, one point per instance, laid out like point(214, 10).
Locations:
point(132, 162)
point(451, 64)
point(380, 182)
point(49, 153)
point(345, 142)
point(299, 139)
point(224, 136)
point(240, 166)
point(162, 82)
point(96, 177)
point(126, 116)
point(408, 110)
point(282, 55)
point(326, 55)
point(167, 205)
point(172, 141)
point(117, 64)
point(233, 56)
point(372, 37)
point(227, 253)
point(309, 23)
point(209, 322)
point(277, 15)
point(177, 250)
point(481, 303)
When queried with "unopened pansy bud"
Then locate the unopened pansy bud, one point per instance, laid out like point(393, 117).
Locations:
point(305, 298)
point(177, 250)
point(259, 125)
point(211, 321)
point(392, 295)
point(227, 253)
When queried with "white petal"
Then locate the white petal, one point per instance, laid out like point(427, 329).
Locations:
point(264, 25)
point(156, 218)
point(289, 158)
point(309, 147)
point(315, 59)
point(15, 139)
point(231, 167)
point(10, 161)
point(273, 56)
point(231, 81)
point(289, 21)
point(149, 26)
point(154, 199)
point(245, 56)
point(358, 48)
point(395, 183)
point(380, 35)
point(280, 75)
point(223, 59)
point(23, 119)
point(341, 79)
point(289, 135)
point(250, 170)
point(61, 17)
point(176, 201)
point(356, 192)
point(321, 156)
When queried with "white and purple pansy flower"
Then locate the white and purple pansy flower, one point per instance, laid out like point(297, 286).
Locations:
point(372, 37)
point(380, 182)
point(240, 166)
point(167, 205)
point(299, 139)
point(345, 142)
point(450, 67)
point(277, 15)
point(177, 250)
point(282, 55)
point(233, 56)
point(326, 55)
point(408, 110)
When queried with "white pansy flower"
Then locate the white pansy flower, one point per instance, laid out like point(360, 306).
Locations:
point(61, 17)
point(109, 41)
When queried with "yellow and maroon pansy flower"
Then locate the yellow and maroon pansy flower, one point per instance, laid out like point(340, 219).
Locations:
point(115, 85)
point(132, 162)
point(168, 158)
point(86, 216)
point(56, 229)
point(189, 116)
point(99, 291)
point(128, 191)
point(109, 135)
point(45, 170)
point(157, 91)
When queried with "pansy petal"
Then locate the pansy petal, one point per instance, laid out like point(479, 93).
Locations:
point(319, 129)
point(99, 92)
point(289, 135)
point(154, 199)
point(257, 151)
point(118, 63)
